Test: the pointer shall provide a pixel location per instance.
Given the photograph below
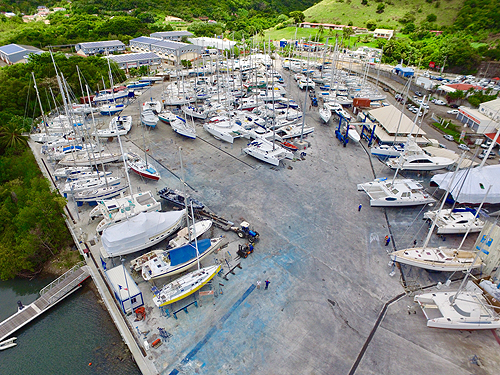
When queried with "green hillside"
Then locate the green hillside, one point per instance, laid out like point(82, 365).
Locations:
point(345, 12)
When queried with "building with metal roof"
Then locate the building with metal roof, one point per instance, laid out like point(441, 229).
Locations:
point(15, 53)
point(135, 60)
point(168, 50)
point(172, 35)
point(403, 71)
point(101, 47)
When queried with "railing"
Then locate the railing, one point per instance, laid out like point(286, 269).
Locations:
point(60, 279)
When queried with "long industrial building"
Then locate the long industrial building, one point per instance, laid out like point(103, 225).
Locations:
point(172, 52)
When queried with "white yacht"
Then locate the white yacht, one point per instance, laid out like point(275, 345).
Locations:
point(225, 130)
point(387, 151)
point(397, 193)
point(415, 159)
point(119, 125)
point(437, 259)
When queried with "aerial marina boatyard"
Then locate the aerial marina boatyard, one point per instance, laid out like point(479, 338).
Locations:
point(335, 303)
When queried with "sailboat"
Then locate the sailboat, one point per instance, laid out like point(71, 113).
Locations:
point(325, 114)
point(179, 259)
point(441, 258)
point(141, 167)
point(149, 118)
point(456, 220)
point(184, 286)
point(181, 127)
point(119, 125)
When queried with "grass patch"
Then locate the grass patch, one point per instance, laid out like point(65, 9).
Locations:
point(341, 13)
point(450, 128)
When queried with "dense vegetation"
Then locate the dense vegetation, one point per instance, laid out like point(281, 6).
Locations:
point(32, 227)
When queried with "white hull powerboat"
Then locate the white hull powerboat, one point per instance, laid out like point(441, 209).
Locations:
point(403, 192)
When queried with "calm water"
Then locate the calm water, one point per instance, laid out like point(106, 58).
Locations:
point(64, 340)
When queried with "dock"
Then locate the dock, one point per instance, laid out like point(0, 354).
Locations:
point(49, 296)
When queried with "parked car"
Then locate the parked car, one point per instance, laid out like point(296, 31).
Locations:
point(453, 112)
point(486, 144)
point(453, 106)
point(464, 147)
point(448, 137)
point(439, 102)
point(418, 93)
point(386, 89)
point(490, 156)
point(442, 145)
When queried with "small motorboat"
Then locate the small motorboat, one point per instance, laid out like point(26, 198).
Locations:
point(8, 343)
point(177, 197)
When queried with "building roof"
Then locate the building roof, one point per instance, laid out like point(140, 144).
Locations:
point(160, 42)
point(403, 69)
point(392, 120)
point(383, 31)
point(493, 105)
point(101, 44)
point(10, 49)
point(213, 42)
point(161, 34)
point(132, 57)
point(464, 86)
point(122, 283)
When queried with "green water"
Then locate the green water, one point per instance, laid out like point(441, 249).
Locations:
point(64, 340)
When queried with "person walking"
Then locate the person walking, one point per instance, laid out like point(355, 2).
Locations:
point(387, 240)
point(360, 207)
point(258, 284)
point(267, 284)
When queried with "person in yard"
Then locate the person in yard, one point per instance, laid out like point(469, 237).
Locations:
point(387, 240)
point(267, 284)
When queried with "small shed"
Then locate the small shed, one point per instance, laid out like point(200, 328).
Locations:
point(124, 288)
point(402, 71)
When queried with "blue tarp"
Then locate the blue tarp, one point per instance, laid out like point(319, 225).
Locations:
point(187, 252)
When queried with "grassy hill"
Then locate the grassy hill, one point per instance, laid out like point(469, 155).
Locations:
point(345, 11)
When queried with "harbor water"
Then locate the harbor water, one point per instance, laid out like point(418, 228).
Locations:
point(77, 336)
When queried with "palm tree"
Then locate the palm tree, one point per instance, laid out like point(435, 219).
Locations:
point(11, 136)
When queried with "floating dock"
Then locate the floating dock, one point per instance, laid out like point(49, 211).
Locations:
point(49, 296)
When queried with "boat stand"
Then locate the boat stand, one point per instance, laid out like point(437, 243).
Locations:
point(185, 308)
point(342, 137)
point(231, 271)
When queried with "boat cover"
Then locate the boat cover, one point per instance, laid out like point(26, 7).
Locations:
point(187, 252)
point(135, 233)
point(471, 185)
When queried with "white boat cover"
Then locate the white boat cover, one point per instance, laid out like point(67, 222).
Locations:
point(139, 232)
point(471, 185)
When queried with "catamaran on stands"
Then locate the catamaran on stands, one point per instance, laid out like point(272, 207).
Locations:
point(268, 152)
point(119, 125)
point(153, 105)
point(225, 130)
point(179, 259)
point(116, 210)
point(458, 220)
point(184, 286)
point(397, 193)
point(140, 232)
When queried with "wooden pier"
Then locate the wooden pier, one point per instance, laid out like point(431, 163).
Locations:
point(49, 296)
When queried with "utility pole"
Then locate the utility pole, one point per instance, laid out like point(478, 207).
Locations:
point(442, 68)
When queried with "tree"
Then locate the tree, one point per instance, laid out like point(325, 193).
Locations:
point(297, 16)
point(431, 17)
point(11, 135)
point(371, 25)
point(380, 8)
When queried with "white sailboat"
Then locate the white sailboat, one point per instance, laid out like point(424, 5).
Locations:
point(104, 192)
point(184, 286)
point(179, 259)
point(325, 114)
point(455, 221)
point(181, 127)
point(266, 151)
point(149, 118)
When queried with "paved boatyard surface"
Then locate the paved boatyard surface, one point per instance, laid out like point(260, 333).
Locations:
point(326, 263)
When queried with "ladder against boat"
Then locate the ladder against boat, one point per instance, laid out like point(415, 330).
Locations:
point(49, 296)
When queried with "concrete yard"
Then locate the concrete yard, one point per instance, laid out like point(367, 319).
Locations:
point(325, 260)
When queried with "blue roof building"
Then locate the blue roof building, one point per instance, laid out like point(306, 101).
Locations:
point(101, 47)
point(168, 50)
point(404, 72)
point(14, 53)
